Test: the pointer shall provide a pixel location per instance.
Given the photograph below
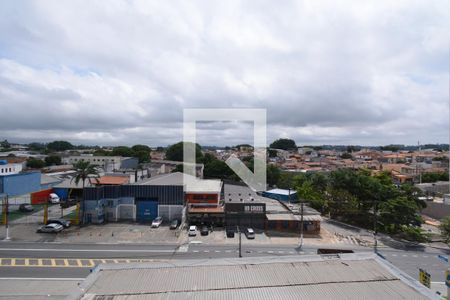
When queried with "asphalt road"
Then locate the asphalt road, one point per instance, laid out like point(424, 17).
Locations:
point(52, 260)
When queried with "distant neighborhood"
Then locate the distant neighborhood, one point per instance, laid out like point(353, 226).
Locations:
point(140, 184)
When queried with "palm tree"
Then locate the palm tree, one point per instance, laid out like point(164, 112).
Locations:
point(84, 170)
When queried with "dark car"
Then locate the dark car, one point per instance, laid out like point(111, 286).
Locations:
point(230, 232)
point(174, 224)
point(62, 222)
point(24, 207)
point(204, 230)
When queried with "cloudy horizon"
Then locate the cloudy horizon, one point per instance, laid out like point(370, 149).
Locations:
point(121, 72)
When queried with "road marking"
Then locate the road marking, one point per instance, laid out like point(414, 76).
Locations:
point(66, 262)
point(414, 255)
point(393, 254)
point(425, 256)
point(89, 250)
point(217, 251)
point(196, 251)
point(269, 251)
point(404, 255)
point(228, 251)
point(206, 251)
point(280, 251)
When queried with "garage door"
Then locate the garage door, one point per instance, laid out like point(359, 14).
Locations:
point(146, 211)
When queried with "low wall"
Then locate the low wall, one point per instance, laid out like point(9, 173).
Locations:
point(436, 210)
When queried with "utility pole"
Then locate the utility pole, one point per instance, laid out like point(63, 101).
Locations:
point(7, 238)
point(375, 223)
point(240, 242)
point(301, 224)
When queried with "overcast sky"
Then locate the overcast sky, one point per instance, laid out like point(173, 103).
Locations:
point(328, 72)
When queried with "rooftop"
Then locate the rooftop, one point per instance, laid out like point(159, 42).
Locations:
point(347, 276)
point(111, 180)
point(282, 192)
point(192, 184)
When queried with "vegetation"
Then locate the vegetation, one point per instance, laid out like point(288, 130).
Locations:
point(445, 228)
point(346, 155)
point(175, 152)
point(35, 163)
point(351, 196)
point(53, 160)
point(84, 170)
point(59, 146)
point(285, 144)
point(435, 176)
point(5, 144)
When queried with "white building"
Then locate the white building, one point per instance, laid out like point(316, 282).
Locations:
point(108, 163)
point(9, 169)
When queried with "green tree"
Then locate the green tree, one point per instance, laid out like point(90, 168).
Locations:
point(398, 212)
point(83, 171)
point(273, 174)
point(285, 144)
point(35, 163)
point(445, 228)
point(59, 146)
point(5, 144)
point(123, 151)
point(53, 160)
point(434, 176)
point(142, 155)
point(39, 147)
point(218, 169)
point(175, 152)
point(138, 148)
point(346, 155)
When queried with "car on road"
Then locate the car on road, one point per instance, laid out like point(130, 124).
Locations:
point(53, 198)
point(157, 222)
point(250, 233)
point(25, 207)
point(230, 232)
point(174, 224)
point(50, 228)
point(192, 230)
point(204, 230)
point(64, 223)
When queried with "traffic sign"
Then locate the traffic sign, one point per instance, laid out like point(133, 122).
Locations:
point(425, 278)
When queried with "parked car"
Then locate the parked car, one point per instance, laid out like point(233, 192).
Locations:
point(50, 228)
point(157, 222)
point(68, 203)
point(192, 230)
point(24, 207)
point(174, 224)
point(250, 233)
point(230, 232)
point(64, 223)
point(53, 198)
point(204, 230)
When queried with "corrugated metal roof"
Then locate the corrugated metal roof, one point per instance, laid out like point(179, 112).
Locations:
point(310, 277)
point(192, 183)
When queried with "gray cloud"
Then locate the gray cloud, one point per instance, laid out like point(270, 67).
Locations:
point(121, 73)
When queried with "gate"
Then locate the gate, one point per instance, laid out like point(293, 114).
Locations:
point(146, 210)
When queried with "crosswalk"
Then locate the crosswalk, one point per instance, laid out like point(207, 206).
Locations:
point(62, 262)
point(349, 240)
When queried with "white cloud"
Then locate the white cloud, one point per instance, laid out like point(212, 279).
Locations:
point(120, 72)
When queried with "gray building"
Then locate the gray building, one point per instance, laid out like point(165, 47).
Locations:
point(140, 203)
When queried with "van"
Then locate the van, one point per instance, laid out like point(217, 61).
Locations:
point(53, 198)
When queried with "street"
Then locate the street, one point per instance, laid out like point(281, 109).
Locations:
point(53, 260)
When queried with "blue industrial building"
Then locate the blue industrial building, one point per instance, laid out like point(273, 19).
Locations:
point(20, 184)
point(141, 203)
point(281, 195)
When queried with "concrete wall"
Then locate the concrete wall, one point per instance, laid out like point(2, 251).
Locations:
point(436, 210)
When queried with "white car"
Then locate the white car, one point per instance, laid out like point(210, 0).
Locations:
point(50, 228)
point(53, 198)
point(192, 230)
point(157, 222)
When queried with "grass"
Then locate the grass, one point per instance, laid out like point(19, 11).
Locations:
point(15, 214)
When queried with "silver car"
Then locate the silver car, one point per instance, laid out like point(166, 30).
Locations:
point(50, 228)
